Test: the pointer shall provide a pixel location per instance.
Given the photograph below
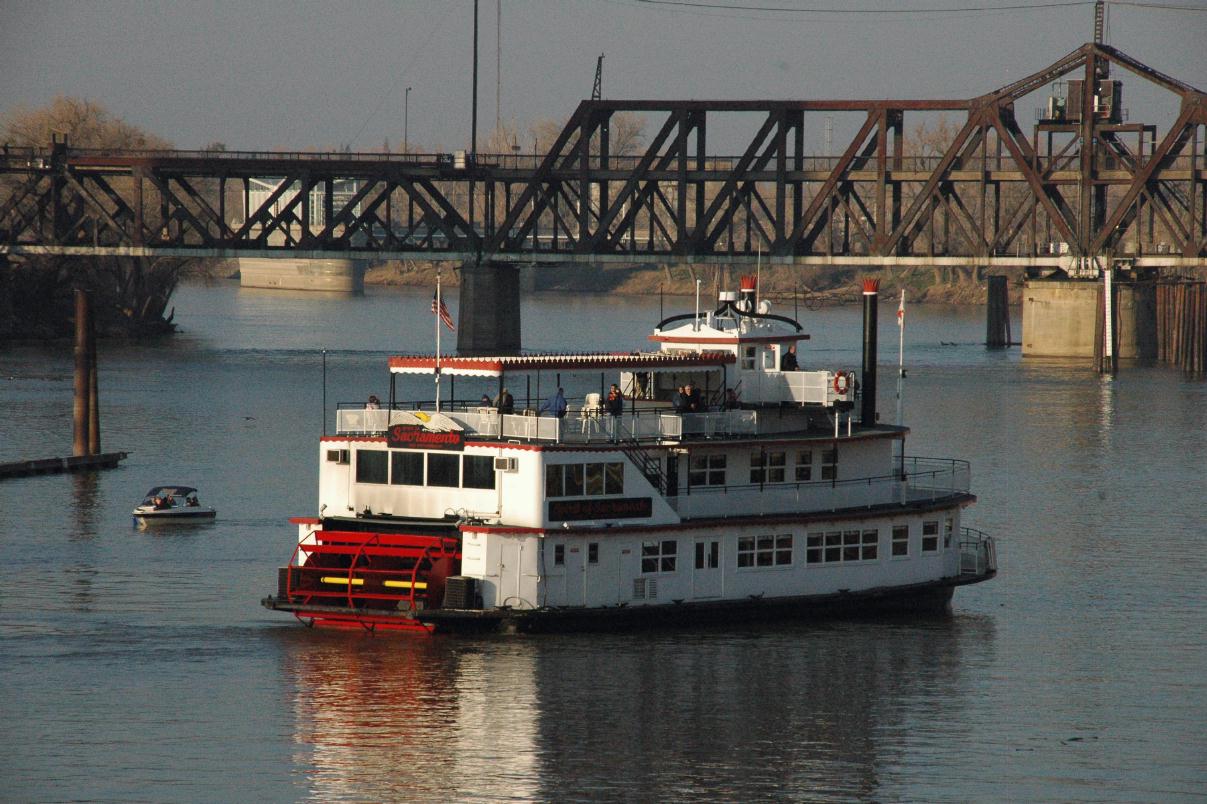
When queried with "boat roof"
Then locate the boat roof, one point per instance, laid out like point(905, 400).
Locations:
point(499, 365)
point(175, 491)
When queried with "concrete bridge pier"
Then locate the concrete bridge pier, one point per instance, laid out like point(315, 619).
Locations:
point(490, 309)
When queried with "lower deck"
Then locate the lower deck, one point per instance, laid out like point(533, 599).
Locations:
point(518, 578)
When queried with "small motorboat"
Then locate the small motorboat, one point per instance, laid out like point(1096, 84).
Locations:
point(171, 504)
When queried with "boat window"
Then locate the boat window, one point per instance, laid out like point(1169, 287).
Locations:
point(478, 472)
point(813, 548)
point(768, 360)
point(577, 479)
point(614, 478)
point(748, 357)
point(767, 467)
point(804, 465)
point(871, 545)
point(829, 464)
point(593, 553)
point(574, 480)
point(554, 487)
point(595, 478)
point(901, 540)
point(559, 555)
point(372, 465)
point(443, 470)
point(658, 556)
point(406, 468)
point(707, 470)
point(837, 546)
point(930, 536)
point(948, 526)
point(765, 551)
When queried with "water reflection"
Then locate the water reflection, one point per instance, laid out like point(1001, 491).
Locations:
point(413, 719)
point(800, 711)
point(84, 503)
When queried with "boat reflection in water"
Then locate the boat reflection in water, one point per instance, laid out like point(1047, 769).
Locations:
point(795, 709)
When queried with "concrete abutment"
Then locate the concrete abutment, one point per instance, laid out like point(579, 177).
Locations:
point(1060, 318)
point(489, 318)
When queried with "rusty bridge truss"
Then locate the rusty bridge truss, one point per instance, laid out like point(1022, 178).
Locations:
point(1084, 183)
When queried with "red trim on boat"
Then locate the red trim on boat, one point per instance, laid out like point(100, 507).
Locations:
point(304, 520)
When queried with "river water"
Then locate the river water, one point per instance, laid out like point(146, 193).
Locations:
point(138, 666)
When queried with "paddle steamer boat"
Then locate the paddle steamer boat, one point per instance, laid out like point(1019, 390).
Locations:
point(779, 494)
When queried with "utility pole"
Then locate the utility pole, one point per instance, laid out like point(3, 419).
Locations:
point(473, 136)
point(498, 64)
point(406, 108)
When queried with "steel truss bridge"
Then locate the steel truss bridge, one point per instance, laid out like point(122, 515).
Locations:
point(1084, 183)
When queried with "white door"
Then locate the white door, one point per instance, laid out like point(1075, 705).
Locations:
point(706, 568)
point(576, 580)
point(510, 592)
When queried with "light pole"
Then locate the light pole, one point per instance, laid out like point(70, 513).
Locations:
point(406, 108)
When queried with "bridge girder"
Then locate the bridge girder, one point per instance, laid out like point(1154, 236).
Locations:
point(992, 195)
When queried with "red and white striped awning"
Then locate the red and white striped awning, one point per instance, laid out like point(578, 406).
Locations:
point(511, 364)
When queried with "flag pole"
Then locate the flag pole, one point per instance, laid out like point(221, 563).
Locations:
point(900, 443)
point(436, 320)
point(900, 353)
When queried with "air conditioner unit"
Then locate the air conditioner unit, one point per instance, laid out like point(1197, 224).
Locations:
point(505, 464)
point(338, 456)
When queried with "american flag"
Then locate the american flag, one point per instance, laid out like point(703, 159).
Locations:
point(438, 308)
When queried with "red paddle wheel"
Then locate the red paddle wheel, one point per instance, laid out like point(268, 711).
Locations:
point(347, 579)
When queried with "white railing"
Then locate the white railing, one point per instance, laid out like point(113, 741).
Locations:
point(483, 422)
point(532, 428)
point(925, 479)
point(813, 387)
point(359, 421)
point(776, 498)
point(978, 553)
point(726, 422)
point(929, 478)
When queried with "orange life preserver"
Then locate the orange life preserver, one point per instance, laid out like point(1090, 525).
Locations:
point(841, 383)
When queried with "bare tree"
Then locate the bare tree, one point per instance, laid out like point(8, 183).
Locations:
point(130, 294)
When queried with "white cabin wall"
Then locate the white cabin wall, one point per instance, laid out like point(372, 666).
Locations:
point(610, 581)
point(335, 480)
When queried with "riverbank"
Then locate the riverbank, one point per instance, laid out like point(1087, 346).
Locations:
point(938, 285)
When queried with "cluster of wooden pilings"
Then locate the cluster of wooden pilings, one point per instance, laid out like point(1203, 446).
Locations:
point(1182, 324)
point(86, 413)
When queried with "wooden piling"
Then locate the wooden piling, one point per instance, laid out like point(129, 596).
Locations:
point(94, 407)
point(1182, 325)
point(80, 412)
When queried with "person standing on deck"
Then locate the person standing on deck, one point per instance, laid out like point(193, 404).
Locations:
point(555, 404)
point(788, 361)
point(615, 406)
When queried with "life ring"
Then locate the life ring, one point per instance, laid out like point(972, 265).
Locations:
point(841, 383)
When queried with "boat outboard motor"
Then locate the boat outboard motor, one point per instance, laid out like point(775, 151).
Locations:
point(871, 290)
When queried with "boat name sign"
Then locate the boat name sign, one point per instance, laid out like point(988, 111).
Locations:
point(416, 437)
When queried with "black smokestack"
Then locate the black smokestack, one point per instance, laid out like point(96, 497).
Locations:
point(871, 290)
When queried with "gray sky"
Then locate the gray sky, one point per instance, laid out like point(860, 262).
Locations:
point(302, 75)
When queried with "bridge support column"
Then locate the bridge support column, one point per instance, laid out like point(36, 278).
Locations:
point(490, 309)
point(8, 323)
